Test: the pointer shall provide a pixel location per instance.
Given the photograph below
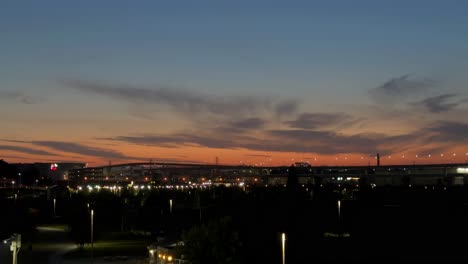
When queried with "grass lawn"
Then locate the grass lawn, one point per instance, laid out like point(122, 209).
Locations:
point(56, 226)
point(113, 245)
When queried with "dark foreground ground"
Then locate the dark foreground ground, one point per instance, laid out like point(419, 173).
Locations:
point(375, 225)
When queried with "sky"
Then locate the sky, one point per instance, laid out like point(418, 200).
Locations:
point(250, 82)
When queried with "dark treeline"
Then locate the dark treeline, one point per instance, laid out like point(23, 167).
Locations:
point(30, 175)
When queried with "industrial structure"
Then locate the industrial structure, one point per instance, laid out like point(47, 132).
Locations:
point(179, 173)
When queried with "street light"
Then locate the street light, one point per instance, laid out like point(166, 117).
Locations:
point(92, 227)
point(339, 210)
point(283, 246)
point(55, 201)
point(170, 206)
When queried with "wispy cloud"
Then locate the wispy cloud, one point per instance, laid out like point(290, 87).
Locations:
point(81, 149)
point(240, 126)
point(249, 123)
point(438, 135)
point(318, 120)
point(17, 97)
point(401, 87)
point(239, 122)
point(14, 157)
point(274, 141)
point(186, 139)
point(75, 148)
point(446, 131)
point(258, 155)
point(440, 103)
point(286, 107)
point(187, 101)
point(26, 150)
point(323, 142)
point(84, 150)
point(14, 141)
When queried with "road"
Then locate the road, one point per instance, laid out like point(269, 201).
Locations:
point(49, 246)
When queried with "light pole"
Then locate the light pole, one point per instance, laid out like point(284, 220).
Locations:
point(55, 201)
point(170, 206)
point(283, 247)
point(92, 241)
point(339, 210)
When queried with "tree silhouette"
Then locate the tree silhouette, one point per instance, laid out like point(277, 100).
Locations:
point(216, 242)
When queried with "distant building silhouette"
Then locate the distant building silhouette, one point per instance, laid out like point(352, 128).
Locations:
point(293, 180)
point(7, 170)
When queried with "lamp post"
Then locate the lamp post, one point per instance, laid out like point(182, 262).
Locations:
point(170, 206)
point(92, 233)
point(283, 247)
point(339, 210)
point(55, 202)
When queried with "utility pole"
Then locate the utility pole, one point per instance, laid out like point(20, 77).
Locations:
point(215, 170)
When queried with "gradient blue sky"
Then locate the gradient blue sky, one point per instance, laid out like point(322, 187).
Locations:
point(94, 76)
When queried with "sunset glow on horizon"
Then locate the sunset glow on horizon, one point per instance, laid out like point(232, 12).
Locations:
point(244, 82)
